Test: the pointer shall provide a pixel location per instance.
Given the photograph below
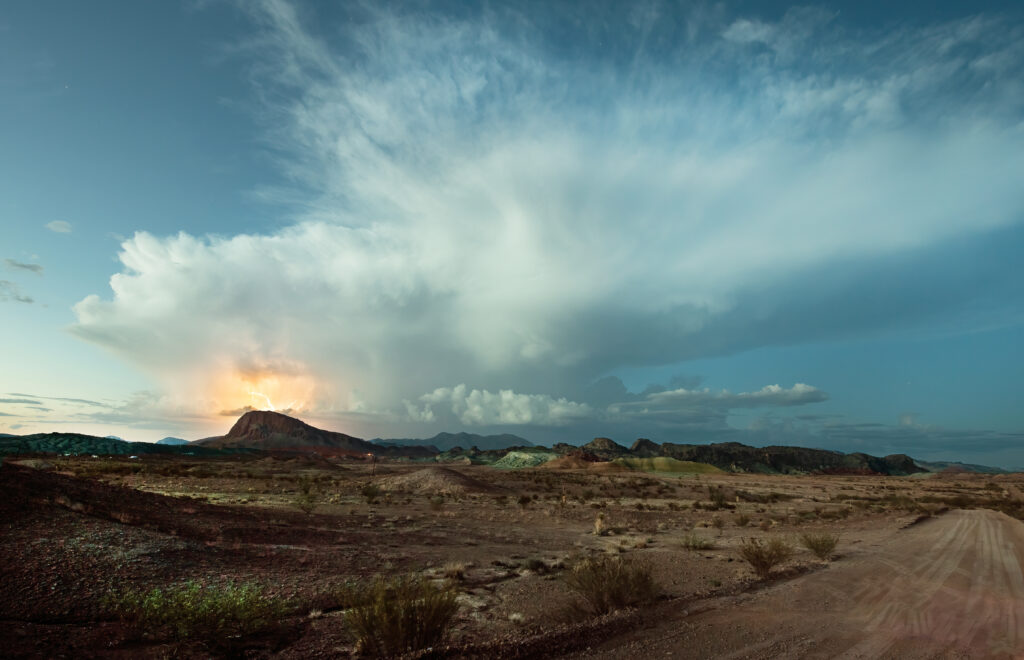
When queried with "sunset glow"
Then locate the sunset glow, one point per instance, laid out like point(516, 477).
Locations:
point(263, 390)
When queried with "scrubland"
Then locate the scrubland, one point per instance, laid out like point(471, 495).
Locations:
point(299, 557)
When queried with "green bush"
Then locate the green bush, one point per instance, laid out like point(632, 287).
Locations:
point(370, 492)
point(214, 614)
point(822, 545)
point(697, 542)
point(400, 614)
point(763, 557)
point(610, 583)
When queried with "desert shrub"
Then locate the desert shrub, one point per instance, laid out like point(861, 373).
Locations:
point(717, 497)
point(822, 545)
point(402, 614)
point(436, 503)
point(370, 492)
point(536, 565)
point(214, 614)
point(742, 520)
point(524, 500)
point(764, 556)
point(697, 542)
point(308, 497)
point(610, 583)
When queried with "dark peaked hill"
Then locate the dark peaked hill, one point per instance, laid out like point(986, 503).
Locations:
point(264, 429)
point(606, 448)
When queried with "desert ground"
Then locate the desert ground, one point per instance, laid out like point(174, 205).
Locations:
point(925, 566)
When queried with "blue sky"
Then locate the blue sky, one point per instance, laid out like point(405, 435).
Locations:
point(685, 221)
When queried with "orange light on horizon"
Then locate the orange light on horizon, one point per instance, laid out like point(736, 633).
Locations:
point(235, 391)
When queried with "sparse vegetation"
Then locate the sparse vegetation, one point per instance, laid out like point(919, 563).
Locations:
point(307, 499)
point(822, 545)
point(214, 614)
point(610, 583)
point(763, 556)
point(697, 542)
point(401, 614)
point(370, 492)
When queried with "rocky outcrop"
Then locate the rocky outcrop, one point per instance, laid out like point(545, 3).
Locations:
point(644, 448)
point(605, 448)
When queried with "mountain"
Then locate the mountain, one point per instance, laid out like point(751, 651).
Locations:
point(263, 429)
point(171, 441)
point(81, 444)
point(449, 441)
point(947, 466)
point(736, 457)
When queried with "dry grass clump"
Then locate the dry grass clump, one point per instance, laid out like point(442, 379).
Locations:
point(764, 556)
point(822, 545)
point(401, 614)
point(609, 583)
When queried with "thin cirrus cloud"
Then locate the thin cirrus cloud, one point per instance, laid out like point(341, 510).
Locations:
point(10, 291)
point(59, 226)
point(13, 264)
point(483, 204)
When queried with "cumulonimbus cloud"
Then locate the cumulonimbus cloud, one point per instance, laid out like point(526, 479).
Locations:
point(480, 206)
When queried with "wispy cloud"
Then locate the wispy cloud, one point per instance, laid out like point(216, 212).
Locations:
point(478, 201)
point(17, 265)
point(84, 402)
point(11, 291)
point(59, 226)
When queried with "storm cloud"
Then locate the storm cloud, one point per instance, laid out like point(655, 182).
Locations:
point(487, 220)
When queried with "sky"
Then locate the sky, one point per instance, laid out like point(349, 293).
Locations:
point(692, 222)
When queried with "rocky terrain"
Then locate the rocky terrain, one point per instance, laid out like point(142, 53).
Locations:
point(303, 528)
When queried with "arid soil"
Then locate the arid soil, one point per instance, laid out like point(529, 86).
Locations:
point(949, 587)
point(925, 567)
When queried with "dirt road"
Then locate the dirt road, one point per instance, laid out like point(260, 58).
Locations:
point(950, 587)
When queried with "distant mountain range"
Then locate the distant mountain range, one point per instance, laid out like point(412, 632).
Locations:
point(947, 466)
point(737, 457)
point(172, 441)
point(77, 444)
point(449, 441)
point(257, 431)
